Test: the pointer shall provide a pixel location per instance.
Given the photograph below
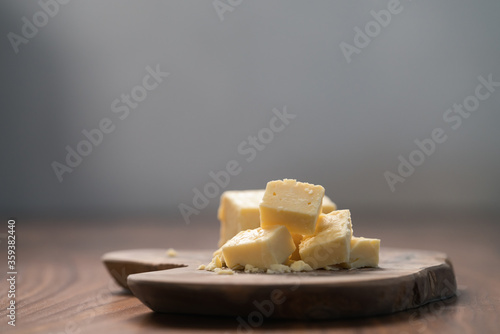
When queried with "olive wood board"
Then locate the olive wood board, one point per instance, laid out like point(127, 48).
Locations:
point(405, 279)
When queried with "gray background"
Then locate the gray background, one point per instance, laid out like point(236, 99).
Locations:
point(353, 119)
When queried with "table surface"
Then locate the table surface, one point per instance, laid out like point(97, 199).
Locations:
point(62, 286)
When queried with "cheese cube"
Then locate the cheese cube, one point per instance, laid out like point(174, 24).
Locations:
point(327, 205)
point(331, 242)
point(293, 204)
point(297, 239)
point(238, 211)
point(364, 253)
point(258, 247)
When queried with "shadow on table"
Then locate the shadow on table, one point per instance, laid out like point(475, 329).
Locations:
point(122, 292)
point(415, 320)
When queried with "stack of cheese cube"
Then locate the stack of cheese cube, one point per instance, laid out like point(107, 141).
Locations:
point(289, 226)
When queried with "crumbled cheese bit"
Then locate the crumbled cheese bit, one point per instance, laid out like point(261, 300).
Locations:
point(238, 267)
point(218, 262)
point(220, 271)
point(290, 266)
point(217, 265)
point(251, 269)
point(211, 266)
point(171, 252)
point(300, 266)
point(278, 269)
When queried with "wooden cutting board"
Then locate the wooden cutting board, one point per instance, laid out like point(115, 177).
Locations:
point(405, 279)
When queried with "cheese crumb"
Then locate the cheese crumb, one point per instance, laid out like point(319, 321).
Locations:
point(288, 267)
point(216, 263)
point(251, 269)
point(300, 266)
point(220, 271)
point(278, 269)
point(171, 252)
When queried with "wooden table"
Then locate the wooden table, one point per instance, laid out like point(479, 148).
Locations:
point(62, 287)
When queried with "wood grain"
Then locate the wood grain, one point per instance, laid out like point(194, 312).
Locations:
point(121, 264)
point(64, 288)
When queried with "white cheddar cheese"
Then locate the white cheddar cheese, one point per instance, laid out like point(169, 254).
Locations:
point(364, 253)
point(293, 204)
point(288, 227)
point(238, 211)
point(259, 247)
point(278, 269)
point(251, 269)
point(220, 271)
point(297, 239)
point(331, 242)
point(171, 252)
point(217, 261)
point(328, 205)
point(300, 266)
